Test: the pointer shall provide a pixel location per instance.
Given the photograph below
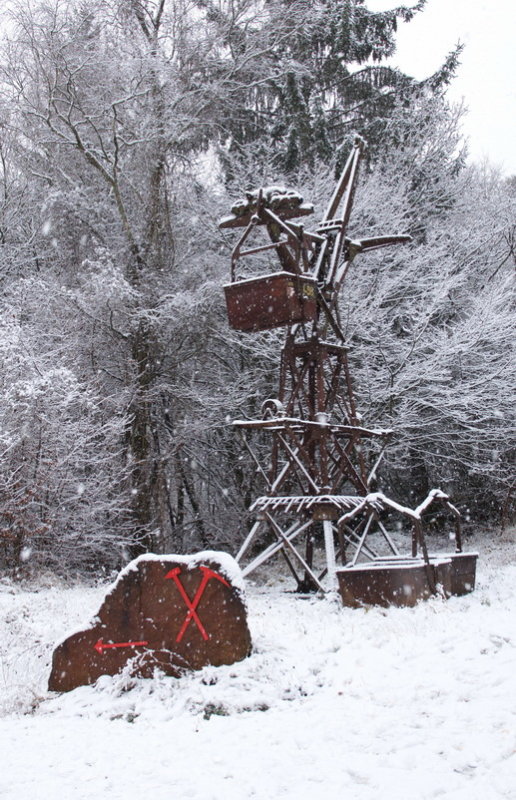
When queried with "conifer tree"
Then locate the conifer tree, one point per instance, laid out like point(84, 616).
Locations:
point(325, 81)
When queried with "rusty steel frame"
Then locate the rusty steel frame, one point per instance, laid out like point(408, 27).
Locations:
point(317, 475)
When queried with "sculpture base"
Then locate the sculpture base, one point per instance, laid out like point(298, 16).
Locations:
point(399, 581)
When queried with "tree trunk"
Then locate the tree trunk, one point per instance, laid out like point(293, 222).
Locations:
point(141, 446)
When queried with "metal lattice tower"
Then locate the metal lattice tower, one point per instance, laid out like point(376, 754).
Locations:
point(317, 479)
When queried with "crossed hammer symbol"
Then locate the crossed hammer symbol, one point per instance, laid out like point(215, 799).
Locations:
point(207, 574)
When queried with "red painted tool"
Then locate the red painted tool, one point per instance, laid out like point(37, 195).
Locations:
point(192, 604)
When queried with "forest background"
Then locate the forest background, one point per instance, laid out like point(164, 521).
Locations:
point(127, 128)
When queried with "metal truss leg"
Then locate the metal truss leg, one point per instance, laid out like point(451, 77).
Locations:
point(272, 549)
point(329, 546)
point(248, 540)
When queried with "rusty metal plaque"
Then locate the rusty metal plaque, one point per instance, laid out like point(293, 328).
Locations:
point(170, 613)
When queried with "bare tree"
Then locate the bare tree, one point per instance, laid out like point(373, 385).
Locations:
point(110, 106)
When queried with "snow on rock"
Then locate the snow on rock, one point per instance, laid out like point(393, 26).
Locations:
point(394, 703)
point(228, 567)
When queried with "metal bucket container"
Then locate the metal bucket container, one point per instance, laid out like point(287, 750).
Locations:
point(271, 301)
point(397, 582)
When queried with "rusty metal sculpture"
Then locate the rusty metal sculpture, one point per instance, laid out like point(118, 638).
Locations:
point(317, 477)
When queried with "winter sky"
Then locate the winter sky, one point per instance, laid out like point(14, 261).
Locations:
point(486, 76)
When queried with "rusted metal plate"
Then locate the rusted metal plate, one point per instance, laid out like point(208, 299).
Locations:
point(463, 572)
point(270, 301)
point(166, 612)
point(443, 574)
point(403, 582)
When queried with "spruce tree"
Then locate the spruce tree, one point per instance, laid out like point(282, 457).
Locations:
point(322, 79)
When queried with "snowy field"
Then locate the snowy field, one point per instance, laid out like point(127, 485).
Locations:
point(333, 703)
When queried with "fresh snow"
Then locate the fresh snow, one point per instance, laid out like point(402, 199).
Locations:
point(360, 704)
point(227, 565)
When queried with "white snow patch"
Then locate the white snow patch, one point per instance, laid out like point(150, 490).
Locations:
point(333, 702)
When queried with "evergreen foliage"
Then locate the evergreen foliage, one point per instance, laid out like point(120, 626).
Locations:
point(323, 80)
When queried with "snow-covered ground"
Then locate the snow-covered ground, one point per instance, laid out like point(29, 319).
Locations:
point(333, 703)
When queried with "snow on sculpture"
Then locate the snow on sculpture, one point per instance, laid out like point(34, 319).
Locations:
point(323, 460)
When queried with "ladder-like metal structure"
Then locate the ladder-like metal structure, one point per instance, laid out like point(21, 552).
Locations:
point(323, 460)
